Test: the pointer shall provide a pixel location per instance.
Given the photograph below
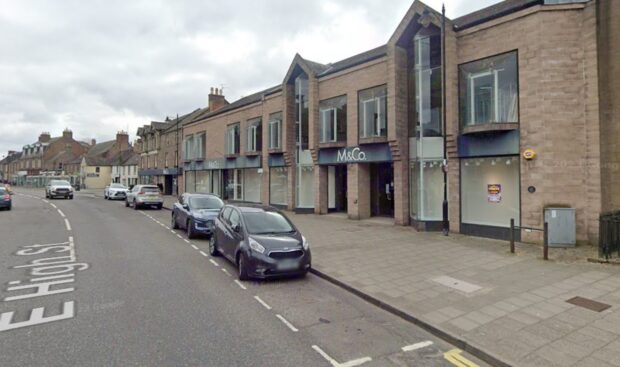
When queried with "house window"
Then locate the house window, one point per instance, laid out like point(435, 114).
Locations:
point(97, 169)
point(200, 143)
point(188, 146)
point(232, 139)
point(254, 135)
point(489, 90)
point(373, 112)
point(301, 108)
point(275, 130)
point(166, 159)
point(333, 115)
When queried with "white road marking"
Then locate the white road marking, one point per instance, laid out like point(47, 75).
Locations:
point(36, 317)
point(262, 302)
point(15, 282)
point(417, 346)
point(54, 206)
point(333, 362)
point(185, 240)
point(195, 247)
point(173, 231)
point(240, 284)
point(213, 262)
point(288, 324)
point(61, 213)
point(226, 271)
point(45, 201)
point(67, 224)
point(181, 237)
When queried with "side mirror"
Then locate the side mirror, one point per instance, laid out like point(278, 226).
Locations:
point(185, 206)
point(236, 228)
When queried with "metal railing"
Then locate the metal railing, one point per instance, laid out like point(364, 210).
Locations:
point(609, 234)
point(544, 230)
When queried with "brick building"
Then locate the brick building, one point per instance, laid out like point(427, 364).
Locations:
point(364, 135)
point(9, 166)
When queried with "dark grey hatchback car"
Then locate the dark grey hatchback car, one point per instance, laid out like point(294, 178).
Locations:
point(261, 241)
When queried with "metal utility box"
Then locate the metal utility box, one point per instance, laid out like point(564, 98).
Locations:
point(562, 231)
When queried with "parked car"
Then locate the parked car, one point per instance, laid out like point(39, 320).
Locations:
point(144, 195)
point(59, 188)
point(6, 201)
point(115, 191)
point(261, 241)
point(196, 214)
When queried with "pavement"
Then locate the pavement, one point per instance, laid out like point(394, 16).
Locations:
point(89, 282)
point(509, 309)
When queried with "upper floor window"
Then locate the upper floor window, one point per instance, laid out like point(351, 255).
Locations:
point(333, 119)
point(188, 147)
point(232, 139)
point(301, 109)
point(200, 145)
point(254, 135)
point(426, 79)
point(275, 130)
point(489, 90)
point(373, 112)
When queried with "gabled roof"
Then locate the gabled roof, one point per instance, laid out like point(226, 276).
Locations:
point(352, 61)
point(98, 155)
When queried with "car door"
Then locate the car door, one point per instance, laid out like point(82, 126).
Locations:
point(233, 239)
point(182, 213)
point(223, 231)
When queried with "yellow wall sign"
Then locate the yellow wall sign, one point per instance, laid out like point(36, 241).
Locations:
point(529, 154)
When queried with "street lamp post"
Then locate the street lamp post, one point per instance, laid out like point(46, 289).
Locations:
point(446, 223)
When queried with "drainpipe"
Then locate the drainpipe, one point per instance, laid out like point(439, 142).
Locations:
point(446, 223)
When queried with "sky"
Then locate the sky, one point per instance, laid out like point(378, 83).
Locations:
point(101, 66)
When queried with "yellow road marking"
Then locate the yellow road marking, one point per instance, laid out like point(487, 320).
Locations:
point(454, 356)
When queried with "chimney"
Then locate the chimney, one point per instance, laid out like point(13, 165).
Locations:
point(67, 134)
point(93, 142)
point(216, 100)
point(122, 140)
point(44, 137)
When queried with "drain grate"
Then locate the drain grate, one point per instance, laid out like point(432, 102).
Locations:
point(589, 304)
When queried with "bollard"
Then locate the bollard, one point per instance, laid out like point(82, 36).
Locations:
point(546, 242)
point(512, 235)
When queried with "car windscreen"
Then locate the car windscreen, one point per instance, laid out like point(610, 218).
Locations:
point(150, 189)
point(116, 186)
point(205, 202)
point(60, 182)
point(267, 223)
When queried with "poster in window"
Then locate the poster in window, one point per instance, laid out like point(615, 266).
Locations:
point(494, 192)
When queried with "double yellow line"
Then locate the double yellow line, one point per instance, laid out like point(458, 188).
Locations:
point(454, 356)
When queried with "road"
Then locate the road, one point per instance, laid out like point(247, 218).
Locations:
point(118, 287)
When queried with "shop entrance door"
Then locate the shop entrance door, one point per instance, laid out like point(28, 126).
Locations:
point(382, 190)
point(168, 185)
point(337, 188)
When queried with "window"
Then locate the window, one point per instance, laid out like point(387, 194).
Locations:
point(166, 159)
point(275, 130)
point(252, 185)
point(373, 112)
point(200, 142)
point(232, 139)
point(426, 184)
point(489, 90)
point(234, 218)
point(254, 135)
point(234, 184)
point(188, 147)
point(97, 169)
point(333, 119)
point(301, 108)
point(190, 181)
point(426, 79)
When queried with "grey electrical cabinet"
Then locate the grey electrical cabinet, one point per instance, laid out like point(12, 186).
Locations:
point(562, 231)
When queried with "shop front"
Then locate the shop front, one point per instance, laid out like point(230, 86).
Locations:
point(376, 190)
point(235, 179)
point(278, 181)
point(165, 178)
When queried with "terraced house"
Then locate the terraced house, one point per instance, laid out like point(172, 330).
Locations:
point(364, 135)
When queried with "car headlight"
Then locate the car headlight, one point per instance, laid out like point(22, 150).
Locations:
point(256, 246)
point(305, 243)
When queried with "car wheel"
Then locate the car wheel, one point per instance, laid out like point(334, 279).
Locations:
point(135, 205)
point(126, 203)
point(243, 271)
point(174, 224)
point(71, 197)
point(190, 229)
point(159, 206)
point(213, 246)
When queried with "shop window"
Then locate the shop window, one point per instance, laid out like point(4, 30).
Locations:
point(278, 185)
point(427, 82)
point(252, 185)
point(333, 119)
point(190, 181)
point(489, 90)
point(305, 186)
point(232, 139)
point(203, 182)
point(373, 112)
point(234, 184)
point(490, 191)
point(426, 193)
point(254, 135)
point(275, 131)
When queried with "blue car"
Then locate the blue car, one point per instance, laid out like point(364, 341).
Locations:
point(5, 198)
point(196, 214)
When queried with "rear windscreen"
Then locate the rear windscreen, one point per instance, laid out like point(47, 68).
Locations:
point(150, 189)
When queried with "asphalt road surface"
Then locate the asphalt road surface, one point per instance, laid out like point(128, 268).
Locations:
point(88, 282)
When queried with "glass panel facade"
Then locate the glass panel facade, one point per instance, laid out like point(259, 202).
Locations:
point(252, 185)
point(488, 91)
point(234, 185)
point(372, 113)
point(427, 80)
point(190, 181)
point(426, 194)
point(333, 119)
point(490, 191)
point(301, 109)
point(278, 185)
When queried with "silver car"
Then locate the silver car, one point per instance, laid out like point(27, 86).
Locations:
point(144, 195)
point(59, 188)
point(115, 191)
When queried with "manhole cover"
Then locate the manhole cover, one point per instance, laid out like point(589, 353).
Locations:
point(588, 303)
